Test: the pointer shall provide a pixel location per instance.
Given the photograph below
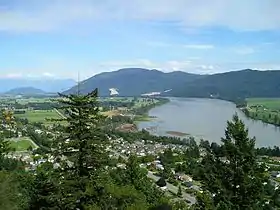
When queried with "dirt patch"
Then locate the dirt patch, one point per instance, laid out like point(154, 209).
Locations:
point(127, 128)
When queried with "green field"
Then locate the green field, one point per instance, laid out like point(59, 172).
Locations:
point(39, 115)
point(265, 109)
point(24, 101)
point(268, 103)
point(21, 144)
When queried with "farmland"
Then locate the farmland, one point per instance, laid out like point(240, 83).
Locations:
point(39, 115)
point(265, 109)
point(269, 103)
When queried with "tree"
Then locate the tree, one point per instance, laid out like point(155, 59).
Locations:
point(79, 152)
point(10, 196)
point(179, 193)
point(203, 202)
point(167, 172)
point(237, 180)
point(204, 144)
point(8, 120)
point(4, 146)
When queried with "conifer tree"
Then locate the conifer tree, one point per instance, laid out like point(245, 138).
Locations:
point(4, 147)
point(79, 152)
point(235, 180)
point(179, 193)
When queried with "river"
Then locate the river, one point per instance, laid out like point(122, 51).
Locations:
point(206, 118)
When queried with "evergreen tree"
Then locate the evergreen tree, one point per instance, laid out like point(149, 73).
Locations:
point(79, 152)
point(4, 147)
point(235, 180)
point(203, 202)
point(179, 193)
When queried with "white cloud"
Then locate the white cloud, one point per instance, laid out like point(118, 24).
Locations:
point(188, 65)
point(199, 46)
point(33, 15)
point(48, 74)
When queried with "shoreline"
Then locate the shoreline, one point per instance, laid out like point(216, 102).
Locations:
point(244, 110)
point(241, 104)
point(145, 116)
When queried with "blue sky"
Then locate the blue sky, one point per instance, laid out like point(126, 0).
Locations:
point(59, 38)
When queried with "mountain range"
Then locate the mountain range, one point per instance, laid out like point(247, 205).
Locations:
point(45, 84)
point(134, 81)
point(228, 85)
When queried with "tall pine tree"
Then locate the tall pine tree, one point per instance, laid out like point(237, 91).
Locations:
point(236, 179)
point(80, 156)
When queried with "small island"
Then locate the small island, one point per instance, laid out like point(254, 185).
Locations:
point(177, 133)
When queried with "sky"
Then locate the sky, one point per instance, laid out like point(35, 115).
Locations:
point(67, 38)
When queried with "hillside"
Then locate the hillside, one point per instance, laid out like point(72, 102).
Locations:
point(134, 81)
point(233, 85)
point(228, 85)
point(45, 84)
point(25, 91)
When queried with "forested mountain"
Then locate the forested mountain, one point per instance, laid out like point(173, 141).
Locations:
point(233, 85)
point(134, 81)
point(229, 85)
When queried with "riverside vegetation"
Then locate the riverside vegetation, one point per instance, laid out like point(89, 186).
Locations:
point(79, 172)
point(264, 109)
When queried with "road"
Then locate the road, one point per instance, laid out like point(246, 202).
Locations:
point(59, 113)
point(172, 188)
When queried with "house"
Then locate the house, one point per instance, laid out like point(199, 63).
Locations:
point(183, 177)
point(159, 167)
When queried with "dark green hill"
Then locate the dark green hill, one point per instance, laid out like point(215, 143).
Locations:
point(229, 85)
point(134, 81)
point(232, 85)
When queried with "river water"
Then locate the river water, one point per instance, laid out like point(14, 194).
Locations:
point(206, 118)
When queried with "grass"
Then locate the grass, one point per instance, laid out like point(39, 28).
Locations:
point(265, 109)
point(269, 103)
point(24, 101)
point(143, 118)
point(39, 115)
point(21, 144)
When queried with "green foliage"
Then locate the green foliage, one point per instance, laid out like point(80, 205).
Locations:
point(4, 146)
point(237, 181)
point(79, 151)
point(204, 202)
point(11, 196)
point(179, 193)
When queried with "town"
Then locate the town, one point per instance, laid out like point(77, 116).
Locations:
point(173, 163)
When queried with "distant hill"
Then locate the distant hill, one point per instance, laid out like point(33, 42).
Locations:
point(233, 85)
point(25, 91)
point(134, 81)
point(228, 85)
point(45, 84)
